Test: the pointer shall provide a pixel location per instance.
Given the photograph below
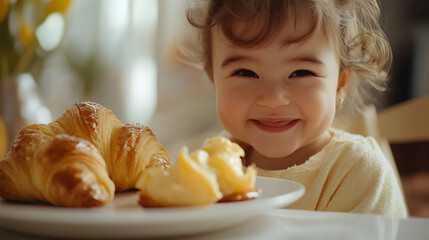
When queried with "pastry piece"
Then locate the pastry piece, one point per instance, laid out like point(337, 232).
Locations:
point(235, 182)
point(81, 152)
point(189, 182)
point(210, 174)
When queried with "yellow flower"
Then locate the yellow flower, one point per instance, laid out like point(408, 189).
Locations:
point(26, 34)
point(4, 8)
point(3, 139)
point(60, 6)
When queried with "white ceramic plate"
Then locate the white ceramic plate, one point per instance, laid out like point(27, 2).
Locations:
point(124, 218)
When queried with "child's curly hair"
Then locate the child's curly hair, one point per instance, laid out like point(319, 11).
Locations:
point(352, 26)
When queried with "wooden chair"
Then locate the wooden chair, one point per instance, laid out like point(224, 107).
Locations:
point(3, 138)
point(406, 122)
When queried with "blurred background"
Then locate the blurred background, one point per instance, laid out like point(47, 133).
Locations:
point(123, 55)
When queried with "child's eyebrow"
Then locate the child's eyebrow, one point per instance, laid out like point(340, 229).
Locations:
point(310, 59)
point(235, 58)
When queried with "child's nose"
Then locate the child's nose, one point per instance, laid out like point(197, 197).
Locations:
point(272, 96)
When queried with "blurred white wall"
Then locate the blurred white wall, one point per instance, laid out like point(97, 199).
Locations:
point(122, 54)
point(186, 107)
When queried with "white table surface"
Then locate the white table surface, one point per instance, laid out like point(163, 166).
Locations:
point(294, 224)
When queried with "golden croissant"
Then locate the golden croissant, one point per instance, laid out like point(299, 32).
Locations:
point(80, 159)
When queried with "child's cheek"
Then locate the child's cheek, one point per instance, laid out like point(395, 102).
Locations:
point(318, 106)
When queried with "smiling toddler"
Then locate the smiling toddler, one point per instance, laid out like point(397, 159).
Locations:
point(282, 70)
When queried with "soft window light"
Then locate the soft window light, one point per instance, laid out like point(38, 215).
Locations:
point(50, 32)
point(141, 100)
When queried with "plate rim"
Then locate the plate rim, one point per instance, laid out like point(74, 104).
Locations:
point(98, 216)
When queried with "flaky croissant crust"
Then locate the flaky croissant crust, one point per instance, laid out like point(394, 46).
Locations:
point(79, 159)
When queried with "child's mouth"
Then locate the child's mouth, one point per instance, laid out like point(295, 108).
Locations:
point(275, 125)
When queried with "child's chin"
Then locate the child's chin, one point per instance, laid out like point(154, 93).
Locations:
point(274, 150)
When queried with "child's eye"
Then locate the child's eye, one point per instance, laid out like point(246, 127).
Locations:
point(245, 73)
point(301, 73)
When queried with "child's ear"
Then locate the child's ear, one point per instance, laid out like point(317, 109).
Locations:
point(343, 84)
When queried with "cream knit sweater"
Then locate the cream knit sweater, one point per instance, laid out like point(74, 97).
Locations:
point(350, 174)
